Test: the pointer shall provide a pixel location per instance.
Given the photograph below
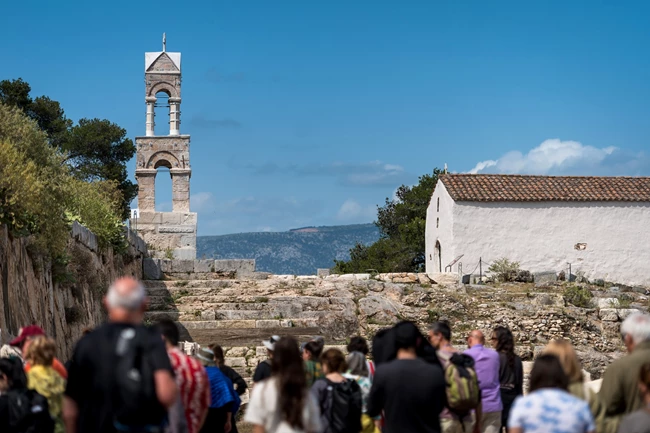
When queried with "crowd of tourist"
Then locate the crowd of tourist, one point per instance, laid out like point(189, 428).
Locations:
point(127, 377)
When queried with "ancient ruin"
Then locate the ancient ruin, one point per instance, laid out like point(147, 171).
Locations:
point(167, 234)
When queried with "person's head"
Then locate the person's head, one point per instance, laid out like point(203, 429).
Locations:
point(12, 375)
point(547, 372)
point(635, 330)
point(439, 334)
point(503, 341)
point(289, 371)
point(218, 354)
point(270, 345)
point(568, 357)
point(475, 338)
point(644, 382)
point(169, 331)
point(126, 301)
point(333, 361)
point(407, 337)
point(357, 364)
point(25, 336)
point(41, 351)
point(205, 355)
point(312, 350)
point(358, 344)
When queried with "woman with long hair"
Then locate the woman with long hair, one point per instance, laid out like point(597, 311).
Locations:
point(311, 352)
point(237, 381)
point(549, 407)
point(568, 357)
point(511, 370)
point(282, 403)
point(44, 379)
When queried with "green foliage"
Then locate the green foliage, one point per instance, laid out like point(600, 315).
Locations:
point(169, 254)
point(503, 270)
point(579, 296)
point(99, 150)
point(40, 197)
point(402, 223)
point(95, 149)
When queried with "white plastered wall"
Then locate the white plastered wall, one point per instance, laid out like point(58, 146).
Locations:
point(542, 236)
point(439, 228)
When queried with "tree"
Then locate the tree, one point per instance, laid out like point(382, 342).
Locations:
point(98, 150)
point(402, 224)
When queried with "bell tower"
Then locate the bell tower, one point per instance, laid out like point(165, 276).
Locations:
point(166, 233)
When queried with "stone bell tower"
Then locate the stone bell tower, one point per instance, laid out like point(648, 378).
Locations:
point(166, 233)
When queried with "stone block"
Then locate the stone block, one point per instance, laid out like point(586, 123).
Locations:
point(424, 278)
point(267, 323)
point(148, 218)
point(208, 315)
point(624, 313)
point(151, 269)
point(203, 266)
point(165, 266)
point(235, 362)
point(171, 218)
point(237, 352)
point(182, 265)
point(189, 218)
point(188, 241)
point(607, 303)
point(261, 351)
point(608, 315)
point(242, 267)
point(185, 254)
point(361, 276)
point(545, 277)
point(286, 323)
point(176, 229)
point(322, 272)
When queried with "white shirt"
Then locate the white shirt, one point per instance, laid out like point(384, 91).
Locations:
point(263, 410)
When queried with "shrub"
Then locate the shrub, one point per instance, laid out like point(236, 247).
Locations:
point(504, 270)
point(40, 197)
point(578, 295)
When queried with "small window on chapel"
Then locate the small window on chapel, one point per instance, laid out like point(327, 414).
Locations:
point(438, 205)
point(437, 222)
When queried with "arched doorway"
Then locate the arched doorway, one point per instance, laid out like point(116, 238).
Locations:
point(437, 257)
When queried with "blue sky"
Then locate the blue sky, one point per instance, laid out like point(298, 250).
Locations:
point(313, 112)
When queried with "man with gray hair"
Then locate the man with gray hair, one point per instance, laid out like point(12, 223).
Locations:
point(619, 392)
point(120, 376)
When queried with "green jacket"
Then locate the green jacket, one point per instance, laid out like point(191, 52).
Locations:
point(619, 392)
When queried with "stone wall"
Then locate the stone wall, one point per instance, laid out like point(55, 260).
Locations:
point(63, 298)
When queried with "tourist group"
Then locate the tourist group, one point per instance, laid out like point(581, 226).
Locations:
point(127, 377)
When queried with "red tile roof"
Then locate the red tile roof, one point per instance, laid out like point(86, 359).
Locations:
point(502, 187)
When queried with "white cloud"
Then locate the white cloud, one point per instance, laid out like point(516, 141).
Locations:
point(202, 202)
point(553, 156)
point(351, 210)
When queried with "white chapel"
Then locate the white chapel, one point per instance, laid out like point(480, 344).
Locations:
point(599, 226)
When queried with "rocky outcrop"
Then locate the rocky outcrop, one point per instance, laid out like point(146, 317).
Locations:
point(63, 297)
point(240, 313)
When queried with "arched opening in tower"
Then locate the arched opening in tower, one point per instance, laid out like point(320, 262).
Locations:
point(163, 187)
point(161, 126)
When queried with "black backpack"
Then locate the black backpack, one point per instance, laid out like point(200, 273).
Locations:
point(136, 403)
point(345, 407)
point(28, 412)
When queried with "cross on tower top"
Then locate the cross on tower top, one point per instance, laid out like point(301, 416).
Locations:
point(164, 42)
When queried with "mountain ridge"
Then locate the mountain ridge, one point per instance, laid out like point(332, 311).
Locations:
point(299, 251)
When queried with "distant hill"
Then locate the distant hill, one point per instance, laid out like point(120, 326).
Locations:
point(297, 252)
